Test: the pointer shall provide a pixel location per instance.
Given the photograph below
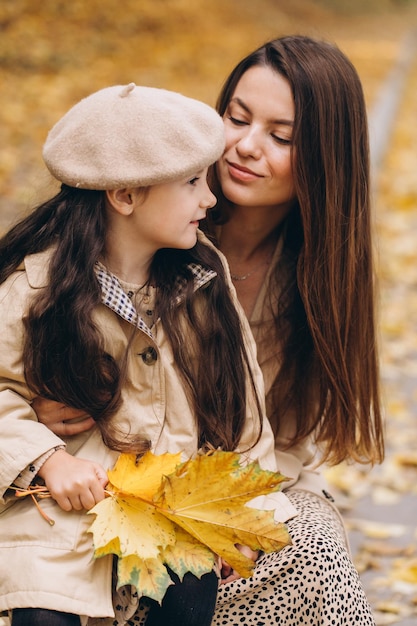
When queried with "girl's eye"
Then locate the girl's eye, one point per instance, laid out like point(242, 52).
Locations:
point(194, 180)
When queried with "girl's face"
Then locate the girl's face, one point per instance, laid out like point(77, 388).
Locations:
point(168, 215)
point(255, 169)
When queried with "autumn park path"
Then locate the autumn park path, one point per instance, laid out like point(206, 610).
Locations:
point(380, 507)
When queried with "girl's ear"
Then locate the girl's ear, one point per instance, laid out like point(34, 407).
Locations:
point(122, 200)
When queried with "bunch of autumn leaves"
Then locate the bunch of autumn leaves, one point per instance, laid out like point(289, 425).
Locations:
point(160, 512)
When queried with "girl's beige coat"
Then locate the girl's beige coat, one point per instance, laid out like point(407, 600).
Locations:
point(53, 566)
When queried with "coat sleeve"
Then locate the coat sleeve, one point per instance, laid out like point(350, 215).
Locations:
point(23, 439)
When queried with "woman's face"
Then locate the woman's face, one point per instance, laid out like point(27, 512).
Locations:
point(255, 169)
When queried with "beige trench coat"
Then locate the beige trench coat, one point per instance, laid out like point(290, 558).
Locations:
point(53, 567)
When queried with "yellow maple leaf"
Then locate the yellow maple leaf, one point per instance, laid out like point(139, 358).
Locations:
point(125, 525)
point(206, 497)
point(150, 576)
point(142, 477)
point(160, 512)
point(188, 555)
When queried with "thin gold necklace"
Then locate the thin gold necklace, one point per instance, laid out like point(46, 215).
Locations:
point(266, 261)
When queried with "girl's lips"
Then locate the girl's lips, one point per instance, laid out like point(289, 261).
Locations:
point(241, 173)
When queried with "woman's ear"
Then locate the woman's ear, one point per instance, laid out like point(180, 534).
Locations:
point(122, 200)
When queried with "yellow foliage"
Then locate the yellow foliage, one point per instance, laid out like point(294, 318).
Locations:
point(161, 512)
point(142, 478)
point(126, 525)
point(206, 497)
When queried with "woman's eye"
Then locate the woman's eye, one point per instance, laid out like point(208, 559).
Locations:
point(281, 140)
point(194, 180)
point(235, 121)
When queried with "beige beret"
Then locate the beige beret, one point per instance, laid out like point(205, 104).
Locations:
point(130, 136)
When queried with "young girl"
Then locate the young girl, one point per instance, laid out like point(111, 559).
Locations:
point(113, 303)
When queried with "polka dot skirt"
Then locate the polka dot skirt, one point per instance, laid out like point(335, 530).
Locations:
point(313, 582)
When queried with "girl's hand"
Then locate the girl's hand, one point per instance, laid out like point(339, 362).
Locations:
point(74, 483)
point(228, 573)
point(62, 420)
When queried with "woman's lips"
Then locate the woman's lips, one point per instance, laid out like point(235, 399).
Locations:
point(241, 173)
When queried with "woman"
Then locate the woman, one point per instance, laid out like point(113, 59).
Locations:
point(293, 220)
point(112, 302)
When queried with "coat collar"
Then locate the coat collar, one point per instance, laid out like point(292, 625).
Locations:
point(115, 297)
point(36, 267)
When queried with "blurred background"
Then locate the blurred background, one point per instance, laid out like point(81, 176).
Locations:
point(54, 52)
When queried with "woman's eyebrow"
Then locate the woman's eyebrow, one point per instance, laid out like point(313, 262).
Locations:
point(245, 107)
point(240, 103)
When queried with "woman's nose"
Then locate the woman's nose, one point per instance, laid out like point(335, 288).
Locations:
point(249, 143)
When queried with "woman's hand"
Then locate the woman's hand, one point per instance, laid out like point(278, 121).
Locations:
point(60, 418)
point(228, 573)
point(74, 483)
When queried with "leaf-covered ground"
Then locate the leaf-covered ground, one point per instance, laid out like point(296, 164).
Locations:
point(53, 52)
point(381, 506)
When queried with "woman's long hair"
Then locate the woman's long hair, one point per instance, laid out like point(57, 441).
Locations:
point(325, 323)
point(64, 357)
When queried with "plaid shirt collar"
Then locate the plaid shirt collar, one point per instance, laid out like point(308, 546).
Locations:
point(115, 298)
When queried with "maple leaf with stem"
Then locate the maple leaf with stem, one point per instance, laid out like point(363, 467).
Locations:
point(160, 512)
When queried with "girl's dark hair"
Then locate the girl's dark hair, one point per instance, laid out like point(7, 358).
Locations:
point(64, 356)
point(325, 324)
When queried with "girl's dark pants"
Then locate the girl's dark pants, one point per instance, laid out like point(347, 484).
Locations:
point(187, 603)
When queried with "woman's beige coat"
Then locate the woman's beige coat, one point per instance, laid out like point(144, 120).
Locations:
point(53, 566)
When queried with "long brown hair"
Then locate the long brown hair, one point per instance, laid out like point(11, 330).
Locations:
point(64, 358)
point(325, 323)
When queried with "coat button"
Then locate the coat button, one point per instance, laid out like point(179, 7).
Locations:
point(149, 356)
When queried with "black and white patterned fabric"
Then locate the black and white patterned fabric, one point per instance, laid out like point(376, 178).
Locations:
point(114, 296)
point(311, 583)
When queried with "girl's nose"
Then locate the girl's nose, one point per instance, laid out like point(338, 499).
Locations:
point(209, 200)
